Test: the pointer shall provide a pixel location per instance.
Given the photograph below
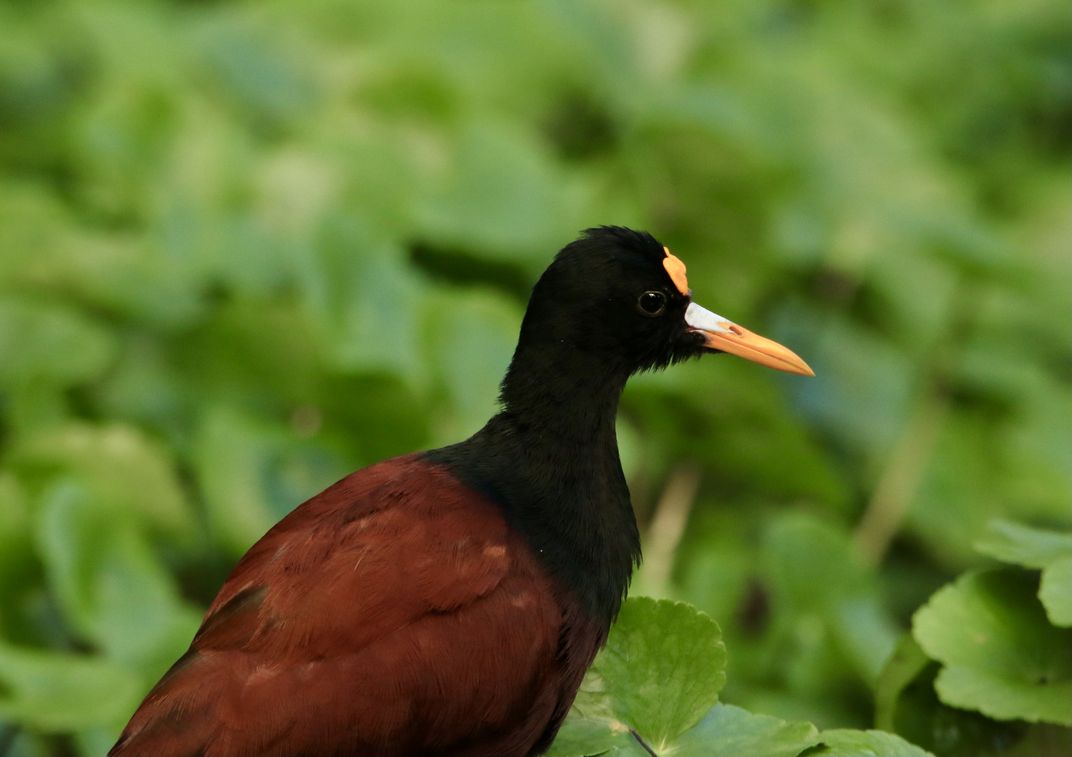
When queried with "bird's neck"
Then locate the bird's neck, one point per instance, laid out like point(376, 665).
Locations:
point(564, 407)
point(550, 461)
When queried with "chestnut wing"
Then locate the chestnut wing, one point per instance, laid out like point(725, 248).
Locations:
point(393, 614)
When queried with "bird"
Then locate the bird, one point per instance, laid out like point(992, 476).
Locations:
point(447, 603)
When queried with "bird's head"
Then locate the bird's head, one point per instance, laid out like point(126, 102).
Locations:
point(621, 295)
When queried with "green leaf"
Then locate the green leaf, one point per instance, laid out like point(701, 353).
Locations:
point(729, 731)
point(995, 695)
point(14, 531)
point(954, 502)
point(501, 198)
point(257, 73)
point(470, 341)
point(253, 472)
point(365, 305)
point(660, 672)
point(111, 587)
point(33, 334)
point(1056, 591)
point(662, 668)
point(1024, 545)
point(584, 735)
point(1041, 548)
point(55, 691)
point(726, 731)
point(1000, 654)
point(148, 490)
point(862, 389)
point(903, 666)
point(814, 571)
point(907, 704)
point(848, 743)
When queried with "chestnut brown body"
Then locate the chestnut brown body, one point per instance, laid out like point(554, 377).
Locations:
point(393, 614)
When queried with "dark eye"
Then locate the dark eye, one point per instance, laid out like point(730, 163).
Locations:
point(652, 303)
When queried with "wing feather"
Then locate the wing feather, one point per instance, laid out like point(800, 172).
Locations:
point(393, 614)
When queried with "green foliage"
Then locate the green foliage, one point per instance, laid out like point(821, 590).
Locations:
point(246, 248)
point(659, 674)
point(991, 642)
point(58, 691)
point(654, 688)
point(1047, 550)
point(999, 654)
point(662, 669)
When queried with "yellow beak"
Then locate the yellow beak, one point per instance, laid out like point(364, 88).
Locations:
point(724, 335)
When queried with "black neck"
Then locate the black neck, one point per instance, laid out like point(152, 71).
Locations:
point(550, 461)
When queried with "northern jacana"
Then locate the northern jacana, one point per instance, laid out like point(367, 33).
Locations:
point(449, 602)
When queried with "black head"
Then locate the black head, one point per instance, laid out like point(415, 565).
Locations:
point(612, 303)
point(610, 295)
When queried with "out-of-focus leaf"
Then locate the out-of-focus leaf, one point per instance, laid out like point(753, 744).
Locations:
point(954, 500)
point(96, 739)
point(471, 340)
point(1056, 591)
point(253, 474)
point(845, 743)
point(902, 667)
point(815, 572)
point(251, 355)
point(108, 582)
point(363, 297)
point(132, 475)
point(256, 72)
point(862, 385)
point(1041, 548)
point(55, 691)
point(18, 568)
point(500, 198)
point(1040, 453)
point(1024, 545)
point(1000, 654)
point(32, 335)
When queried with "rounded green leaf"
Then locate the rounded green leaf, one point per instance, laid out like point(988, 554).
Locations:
point(1002, 656)
point(662, 668)
point(660, 672)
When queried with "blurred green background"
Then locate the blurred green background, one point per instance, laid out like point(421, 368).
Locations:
point(246, 248)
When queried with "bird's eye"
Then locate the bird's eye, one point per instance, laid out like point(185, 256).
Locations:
point(652, 303)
